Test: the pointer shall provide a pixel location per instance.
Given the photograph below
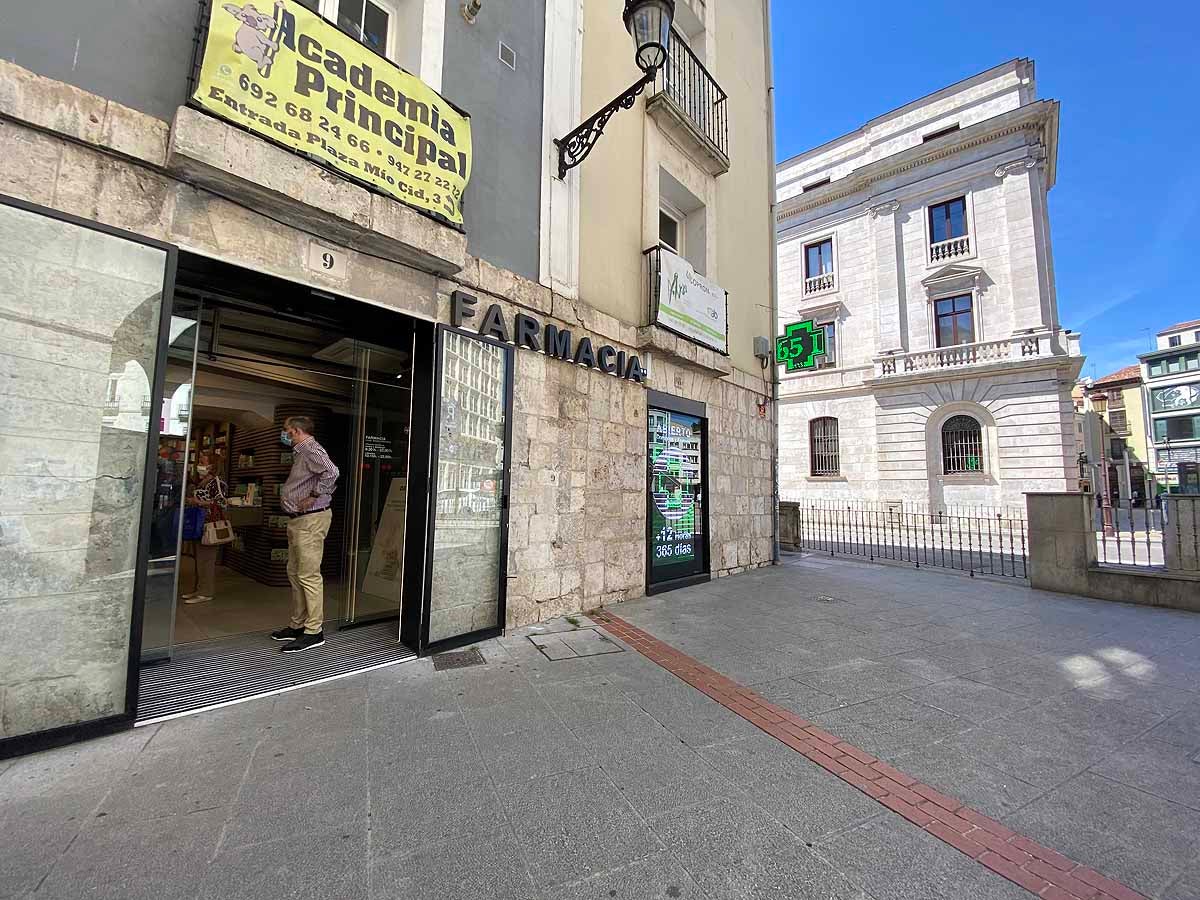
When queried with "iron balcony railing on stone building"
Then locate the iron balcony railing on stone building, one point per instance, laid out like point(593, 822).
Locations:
point(653, 268)
point(943, 251)
point(695, 93)
point(823, 282)
point(978, 545)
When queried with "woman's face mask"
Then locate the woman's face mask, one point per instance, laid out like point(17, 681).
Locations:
point(203, 470)
point(285, 439)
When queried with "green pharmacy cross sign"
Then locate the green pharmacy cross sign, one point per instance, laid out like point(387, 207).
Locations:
point(800, 345)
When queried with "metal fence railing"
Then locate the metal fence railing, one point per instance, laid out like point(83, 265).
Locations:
point(919, 507)
point(1159, 533)
point(986, 545)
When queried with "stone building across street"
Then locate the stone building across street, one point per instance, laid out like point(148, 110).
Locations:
point(920, 245)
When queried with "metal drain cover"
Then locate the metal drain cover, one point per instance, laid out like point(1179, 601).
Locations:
point(458, 659)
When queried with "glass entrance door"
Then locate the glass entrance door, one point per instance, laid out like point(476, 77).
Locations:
point(168, 510)
point(378, 482)
point(469, 495)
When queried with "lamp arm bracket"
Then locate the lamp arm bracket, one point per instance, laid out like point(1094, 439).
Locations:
point(574, 148)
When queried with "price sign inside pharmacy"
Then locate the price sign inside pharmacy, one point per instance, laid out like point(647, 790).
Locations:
point(676, 492)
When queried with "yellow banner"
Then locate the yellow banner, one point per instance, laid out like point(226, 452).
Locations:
point(290, 76)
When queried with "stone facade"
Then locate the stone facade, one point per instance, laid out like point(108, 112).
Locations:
point(577, 516)
point(987, 146)
point(577, 520)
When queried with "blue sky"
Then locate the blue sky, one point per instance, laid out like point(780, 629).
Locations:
point(1125, 212)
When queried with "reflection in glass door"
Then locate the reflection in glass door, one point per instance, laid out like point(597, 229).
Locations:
point(167, 512)
point(378, 483)
point(470, 489)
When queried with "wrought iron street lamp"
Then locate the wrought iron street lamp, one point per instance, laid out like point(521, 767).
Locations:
point(649, 24)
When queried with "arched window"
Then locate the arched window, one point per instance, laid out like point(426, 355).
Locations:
point(823, 453)
point(962, 446)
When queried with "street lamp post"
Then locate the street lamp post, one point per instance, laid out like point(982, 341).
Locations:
point(649, 24)
point(1100, 404)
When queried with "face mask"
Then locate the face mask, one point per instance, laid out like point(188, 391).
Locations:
point(285, 439)
point(203, 470)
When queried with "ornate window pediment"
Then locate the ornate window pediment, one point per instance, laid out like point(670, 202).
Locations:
point(953, 278)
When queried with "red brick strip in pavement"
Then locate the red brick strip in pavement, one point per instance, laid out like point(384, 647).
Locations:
point(1038, 869)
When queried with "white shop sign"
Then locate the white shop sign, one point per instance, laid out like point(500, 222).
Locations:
point(690, 304)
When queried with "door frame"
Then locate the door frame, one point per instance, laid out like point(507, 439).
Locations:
point(510, 357)
point(64, 734)
point(672, 404)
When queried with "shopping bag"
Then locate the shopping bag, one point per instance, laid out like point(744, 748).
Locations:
point(193, 523)
point(217, 533)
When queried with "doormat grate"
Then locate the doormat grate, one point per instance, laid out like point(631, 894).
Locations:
point(458, 659)
point(204, 676)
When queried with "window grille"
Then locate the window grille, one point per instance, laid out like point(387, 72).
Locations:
point(962, 446)
point(823, 446)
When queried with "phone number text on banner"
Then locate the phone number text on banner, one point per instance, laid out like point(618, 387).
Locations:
point(294, 78)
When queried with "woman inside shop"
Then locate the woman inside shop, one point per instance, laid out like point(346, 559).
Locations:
point(209, 495)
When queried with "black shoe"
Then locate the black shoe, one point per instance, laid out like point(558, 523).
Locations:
point(286, 634)
point(305, 642)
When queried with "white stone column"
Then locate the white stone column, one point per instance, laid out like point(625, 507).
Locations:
point(888, 254)
point(1028, 227)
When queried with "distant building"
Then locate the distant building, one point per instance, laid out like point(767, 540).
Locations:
point(920, 243)
point(1120, 423)
point(1171, 374)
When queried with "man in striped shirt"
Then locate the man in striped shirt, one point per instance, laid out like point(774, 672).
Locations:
point(305, 498)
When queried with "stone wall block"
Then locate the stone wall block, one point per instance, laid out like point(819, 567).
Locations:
point(95, 186)
point(496, 281)
point(33, 180)
point(532, 295)
point(135, 134)
point(53, 105)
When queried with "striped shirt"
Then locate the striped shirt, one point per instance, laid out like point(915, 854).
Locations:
point(313, 473)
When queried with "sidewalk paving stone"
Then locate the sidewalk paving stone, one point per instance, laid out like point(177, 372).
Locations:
point(657, 877)
point(477, 867)
point(977, 783)
point(573, 824)
point(1129, 834)
point(977, 703)
point(1073, 721)
point(894, 861)
point(311, 866)
point(1164, 770)
point(860, 679)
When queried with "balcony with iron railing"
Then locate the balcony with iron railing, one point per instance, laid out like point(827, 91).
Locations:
point(688, 102)
point(1029, 347)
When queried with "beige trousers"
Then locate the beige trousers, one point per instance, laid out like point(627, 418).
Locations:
point(206, 568)
point(306, 547)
